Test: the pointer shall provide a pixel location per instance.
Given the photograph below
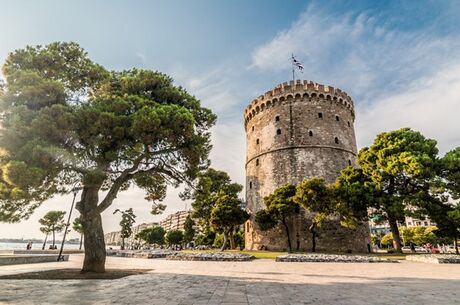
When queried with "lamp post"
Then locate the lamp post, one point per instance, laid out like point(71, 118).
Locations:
point(60, 256)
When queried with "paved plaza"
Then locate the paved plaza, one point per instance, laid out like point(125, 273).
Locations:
point(260, 282)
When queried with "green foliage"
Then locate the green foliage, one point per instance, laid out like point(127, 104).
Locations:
point(174, 237)
point(265, 220)
point(66, 119)
point(153, 235)
point(126, 224)
point(77, 225)
point(387, 240)
point(205, 239)
point(209, 186)
point(127, 220)
point(189, 230)
point(52, 222)
point(227, 213)
point(315, 195)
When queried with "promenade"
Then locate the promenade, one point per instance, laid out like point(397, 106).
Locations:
point(260, 282)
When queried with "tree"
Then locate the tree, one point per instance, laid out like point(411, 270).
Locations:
point(189, 230)
point(387, 240)
point(66, 120)
point(400, 165)
point(174, 237)
point(316, 196)
point(226, 215)
point(153, 235)
point(77, 226)
point(52, 222)
point(279, 208)
point(209, 185)
point(127, 220)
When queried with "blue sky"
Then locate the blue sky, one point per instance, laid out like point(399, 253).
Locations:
point(399, 60)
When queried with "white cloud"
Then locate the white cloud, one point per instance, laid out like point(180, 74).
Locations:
point(430, 105)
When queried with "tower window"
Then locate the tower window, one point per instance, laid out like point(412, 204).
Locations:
point(337, 118)
point(250, 185)
point(336, 140)
point(252, 128)
point(257, 141)
point(348, 123)
point(257, 162)
point(320, 115)
point(310, 133)
point(277, 118)
point(349, 162)
point(278, 131)
point(247, 226)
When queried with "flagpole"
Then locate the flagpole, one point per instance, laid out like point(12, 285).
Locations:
point(293, 70)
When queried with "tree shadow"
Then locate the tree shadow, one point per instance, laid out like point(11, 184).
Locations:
point(185, 289)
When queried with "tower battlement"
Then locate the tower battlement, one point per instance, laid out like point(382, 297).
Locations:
point(300, 89)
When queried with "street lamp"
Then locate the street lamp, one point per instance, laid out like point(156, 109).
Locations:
point(60, 256)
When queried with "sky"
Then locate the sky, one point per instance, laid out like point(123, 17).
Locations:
point(399, 60)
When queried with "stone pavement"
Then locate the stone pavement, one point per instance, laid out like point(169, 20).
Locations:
point(260, 282)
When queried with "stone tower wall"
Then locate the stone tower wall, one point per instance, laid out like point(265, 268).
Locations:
point(295, 132)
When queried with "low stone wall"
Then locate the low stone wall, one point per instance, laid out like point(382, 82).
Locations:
point(332, 258)
point(29, 259)
point(210, 256)
point(435, 258)
point(140, 253)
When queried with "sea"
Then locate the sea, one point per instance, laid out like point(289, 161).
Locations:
point(35, 246)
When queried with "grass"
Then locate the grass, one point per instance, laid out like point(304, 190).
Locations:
point(256, 254)
point(273, 255)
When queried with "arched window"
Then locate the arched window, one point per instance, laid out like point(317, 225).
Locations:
point(349, 162)
point(277, 118)
point(336, 140)
point(337, 118)
point(278, 131)
point(320, 115)
point(310, 133)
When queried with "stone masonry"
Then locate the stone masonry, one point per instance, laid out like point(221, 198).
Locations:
point(293, 132)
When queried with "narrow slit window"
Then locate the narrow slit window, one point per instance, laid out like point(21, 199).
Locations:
point(336, 140)
point(278, 131)
point(349, 162)
point(310, 133)
point(337, 118)
point(320, 115)
point(257, 162)
point(257, 141)
point(348, 123)
point(250, 185)
point(252, 128)
point(277, 118)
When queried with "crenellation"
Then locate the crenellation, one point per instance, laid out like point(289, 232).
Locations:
point(300, 89)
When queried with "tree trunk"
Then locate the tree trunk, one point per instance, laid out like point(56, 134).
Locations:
point(122, 247)
point(286, 227)
point(54, 238)
point(232, 239)
point(94, 260)
point(313, 236)
point(44, 243)
point(224, 245)
point(456, 245)
point(81, 240)
point(395, 232)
